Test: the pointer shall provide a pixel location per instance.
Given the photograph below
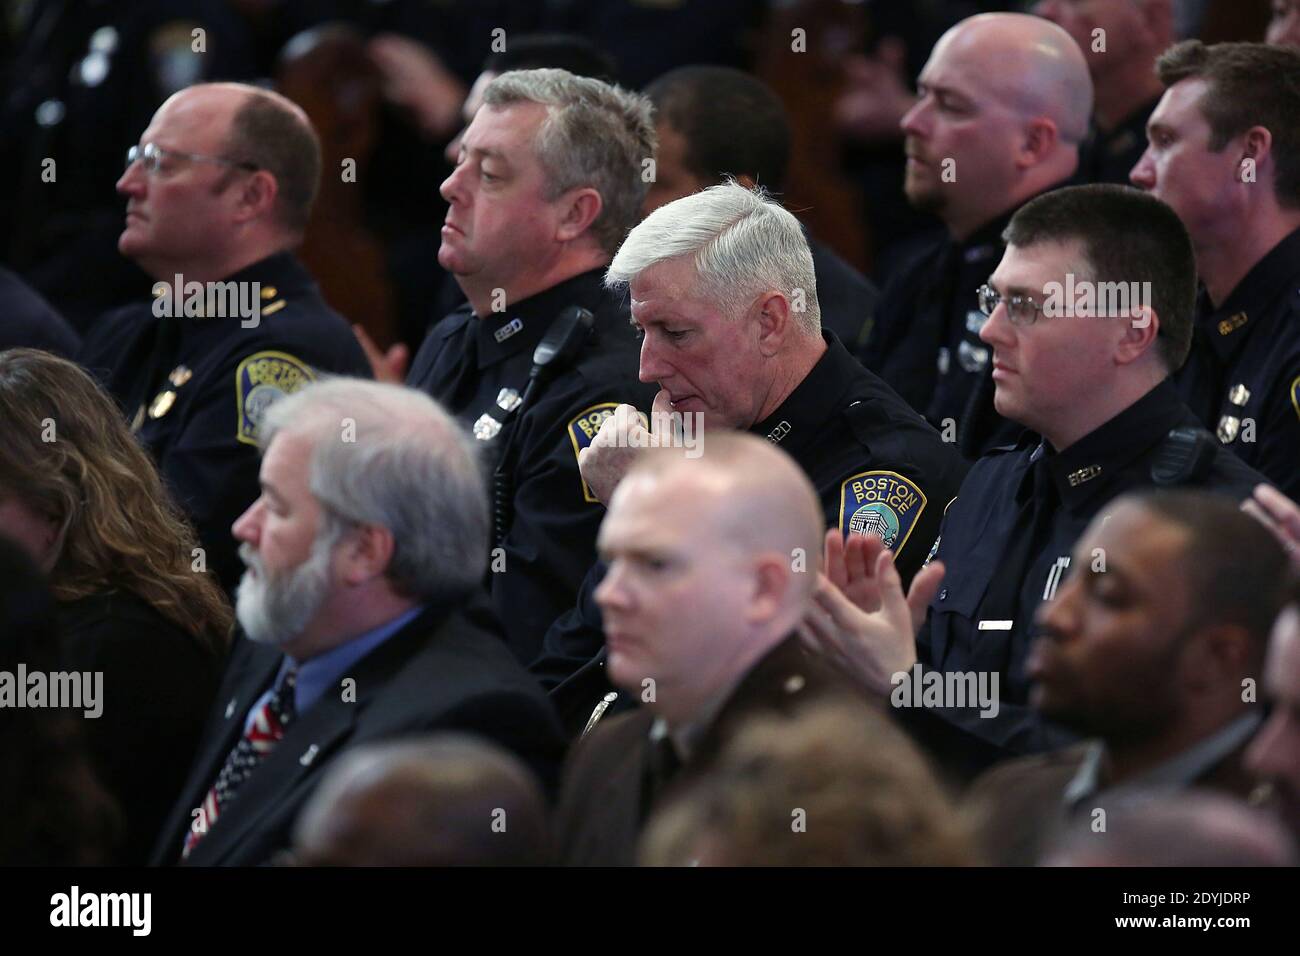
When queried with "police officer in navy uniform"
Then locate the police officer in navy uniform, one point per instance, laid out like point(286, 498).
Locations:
point(527, 235)
point(1091, 381)
point(1224, 156)
point(218, 192)
point(876, 465)
point(1005, 103)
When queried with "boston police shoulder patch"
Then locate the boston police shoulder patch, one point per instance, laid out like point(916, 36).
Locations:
point(582, 429)
point(883, 503)
point(260, 379)
point(1295, 395)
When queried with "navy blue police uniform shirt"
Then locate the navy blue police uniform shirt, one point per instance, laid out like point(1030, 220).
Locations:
point(194, 388)
point(479, 368)
point(878, 467)
point(1242, 378)
point(28, 321)
point(1006, 544)
point(924, 341)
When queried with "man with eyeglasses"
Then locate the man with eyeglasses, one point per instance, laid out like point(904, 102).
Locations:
point(218, 191)
point(1088, 375)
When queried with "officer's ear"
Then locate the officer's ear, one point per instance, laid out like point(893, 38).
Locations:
point(578, 210)
point(1256, 148)
point(1040, 138)
point(772, 316)
point(1140, 329)
point(257, 194)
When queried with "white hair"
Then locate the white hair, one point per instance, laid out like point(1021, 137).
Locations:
point(594, 134)
point(742, 244)
point(391, 456)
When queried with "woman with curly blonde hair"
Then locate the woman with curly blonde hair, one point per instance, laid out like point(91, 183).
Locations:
point(80, 494)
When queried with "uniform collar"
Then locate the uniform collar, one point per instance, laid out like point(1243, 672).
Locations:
point(1089, 466)
point(521, 326)
point(814, 401)
point(1274, 276)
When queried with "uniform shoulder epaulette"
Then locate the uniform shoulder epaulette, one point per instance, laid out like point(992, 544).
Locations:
point(1185, 455)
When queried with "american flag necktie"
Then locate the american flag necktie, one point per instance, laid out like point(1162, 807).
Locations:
point(261, 734)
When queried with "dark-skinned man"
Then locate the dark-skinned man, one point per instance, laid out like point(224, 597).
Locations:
point(1150, 657)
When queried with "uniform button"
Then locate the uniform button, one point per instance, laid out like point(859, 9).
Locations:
point(943, 594)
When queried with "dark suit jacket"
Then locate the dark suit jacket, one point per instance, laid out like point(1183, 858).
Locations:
point(609, 786)
point(437, 673)
point(1018, 806)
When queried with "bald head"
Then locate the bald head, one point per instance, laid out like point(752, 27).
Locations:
point(742, 491)
point(712, 563)
point(1029, 63)
point(450, 800)
point(1005, 103)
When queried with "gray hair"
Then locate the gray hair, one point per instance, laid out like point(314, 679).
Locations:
point(595, 134)
point(743, 243)
point(391, 456)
